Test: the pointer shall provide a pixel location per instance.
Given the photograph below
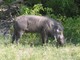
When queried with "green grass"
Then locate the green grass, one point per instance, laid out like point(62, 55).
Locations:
point(20, 52)
point(10, 51)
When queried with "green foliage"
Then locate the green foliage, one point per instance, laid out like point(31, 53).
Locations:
point(63, 7)
point(24, 10)
point(35, 10)
point(72, 30)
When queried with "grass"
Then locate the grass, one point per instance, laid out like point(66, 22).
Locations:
point(10, 51)
point(20, 52)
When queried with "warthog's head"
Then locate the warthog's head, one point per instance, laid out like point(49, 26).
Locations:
point(59, 36)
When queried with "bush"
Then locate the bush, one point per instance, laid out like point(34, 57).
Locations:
point(35, 10)
point(72, 30)
point(63, 7)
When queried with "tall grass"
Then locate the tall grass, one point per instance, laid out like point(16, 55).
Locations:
point(20, 52)
point(10, 51)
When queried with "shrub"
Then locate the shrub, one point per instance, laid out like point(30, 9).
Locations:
point(35, 10)
point(72, 30)
point(63, 7)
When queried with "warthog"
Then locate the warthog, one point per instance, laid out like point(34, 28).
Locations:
point(39, 24)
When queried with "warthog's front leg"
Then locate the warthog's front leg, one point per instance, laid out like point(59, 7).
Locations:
point(44, 37)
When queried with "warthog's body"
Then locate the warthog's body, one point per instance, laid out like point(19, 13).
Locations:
point(40, 24)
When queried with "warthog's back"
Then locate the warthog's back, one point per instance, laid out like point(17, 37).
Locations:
point(33, 23)
point(31, 17)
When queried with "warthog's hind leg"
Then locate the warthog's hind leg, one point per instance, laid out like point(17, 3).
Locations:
point(16, 36)
point(13, 38)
